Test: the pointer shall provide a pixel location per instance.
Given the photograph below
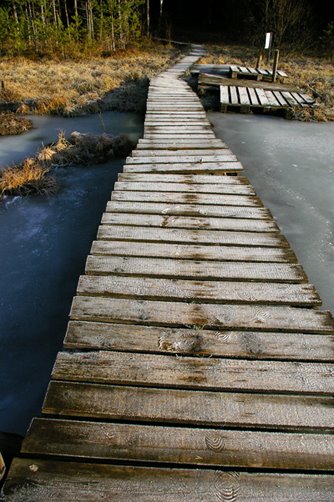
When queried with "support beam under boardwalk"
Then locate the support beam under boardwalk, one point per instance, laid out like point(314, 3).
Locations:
point(197, 364)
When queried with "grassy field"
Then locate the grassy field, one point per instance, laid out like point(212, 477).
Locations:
point(309, 73)
point(76, 87)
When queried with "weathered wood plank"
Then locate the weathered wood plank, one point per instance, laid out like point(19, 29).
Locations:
point(202, 447)
point(185, 178)
point(156, 186)
point(262, 97)
point(249, 317)
point(121, 368)
point(208, 79)
point(178, 159)
point(170, 268)
point(233, 95)
point(279, 96)
point(176, 221)
point(193, 236)
point(193, 251)
point(199, 167)
point(204, 342)
point(253, 97)
point(188, 407)
point(190, 152)
point(191, 290)
point(181, 143)
point(194, 210)
point(243, 96)
point(186, 197)
point(38, 480)
point(271, 98)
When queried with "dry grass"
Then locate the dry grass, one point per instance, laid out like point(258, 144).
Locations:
point(31, 177)
point(11, 124)
point(308, 73)
point(76, 87)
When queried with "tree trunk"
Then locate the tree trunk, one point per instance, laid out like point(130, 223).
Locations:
point(148, 18)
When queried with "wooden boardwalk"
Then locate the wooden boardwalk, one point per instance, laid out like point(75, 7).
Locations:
point(197, 364)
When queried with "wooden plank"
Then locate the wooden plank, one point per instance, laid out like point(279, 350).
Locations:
point(185, 290)
point(172, 152)
point(121, 368)
point(200, 167)
point(250, 317)
point(187, 407)
point(192, 236)
point(243, 96)
point(201, 447)
point(179, 144)
point(177, 127)
point(178, 159)
point(170, 268)
point(224, 95)
point(32, 479)
point(234, 99)
point(244, 70)
point(204, 342)
point(210, 188)
point(271, 99)
point(253, 97)
point(191, 210)
point(262, 97)
point(178, 221)
point(308, 99)
point(185, 178)
point(280, 98)
point(187, 198)
point(206, 79)
point(191, 251)
point(177, 135)
point(289, 98)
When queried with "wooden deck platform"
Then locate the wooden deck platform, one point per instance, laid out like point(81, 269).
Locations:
point(197, 364)
point(237, 71)
point(246, 99)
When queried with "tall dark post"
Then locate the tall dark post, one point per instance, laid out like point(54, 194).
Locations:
point(276, 57)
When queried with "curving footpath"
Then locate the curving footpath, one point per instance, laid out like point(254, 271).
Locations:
point(197, 364)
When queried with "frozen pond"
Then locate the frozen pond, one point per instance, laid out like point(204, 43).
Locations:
point(44, 245)
point(291, 165)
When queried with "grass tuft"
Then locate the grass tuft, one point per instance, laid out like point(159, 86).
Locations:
point(28, 179)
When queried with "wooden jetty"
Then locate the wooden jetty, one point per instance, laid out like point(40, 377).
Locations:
point(240, 92)
point(197, 364)
point(248, 99)
point(237, 71)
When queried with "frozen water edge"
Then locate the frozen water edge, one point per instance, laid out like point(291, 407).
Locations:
point(291, 165)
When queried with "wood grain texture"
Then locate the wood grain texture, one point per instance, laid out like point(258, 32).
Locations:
point(204, 342)
point(192, 251)
point(195, 167)
point(170, 269)
point(212, 188)
point(217, 292)
point(180, 221)
point(184, 178)
point(186, 198)
point(189, 407)
point(40, 480)
point(178, 314)
point(179, 159)
point(119, 368)
point(191, 236)
point(168, 209)
point(202, 447)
